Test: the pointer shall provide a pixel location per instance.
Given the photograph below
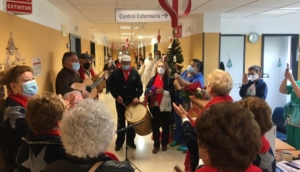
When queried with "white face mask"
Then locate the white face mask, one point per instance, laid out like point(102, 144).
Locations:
point(253, 77)
point(156, 56)
point(160, 70)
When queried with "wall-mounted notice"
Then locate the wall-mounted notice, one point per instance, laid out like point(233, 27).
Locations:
point(37, 66)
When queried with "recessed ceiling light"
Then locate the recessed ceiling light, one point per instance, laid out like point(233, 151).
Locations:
point(279, 11)
point(140, 37)
point(290, 8)
point(127, 33)
point(128, 27)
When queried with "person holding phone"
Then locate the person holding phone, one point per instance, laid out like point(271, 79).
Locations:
point(253, 85)
point(292, 109)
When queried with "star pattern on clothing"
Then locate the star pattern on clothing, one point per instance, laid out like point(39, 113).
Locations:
point(36, 163)
point(266, 161)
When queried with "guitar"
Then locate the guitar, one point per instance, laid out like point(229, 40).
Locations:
point(90, 86)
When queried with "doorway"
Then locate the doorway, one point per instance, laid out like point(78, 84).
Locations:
point(93, 51)
point(75, 43)
point(277, 51)
point(232, 54)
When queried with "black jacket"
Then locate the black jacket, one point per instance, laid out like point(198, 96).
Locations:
point(64, 79)
point(129, 89)
point(13, 129)
point(168, 86)
point(72, 164)
point(37, 151)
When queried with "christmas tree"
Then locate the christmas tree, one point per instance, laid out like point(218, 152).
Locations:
point(175, 58)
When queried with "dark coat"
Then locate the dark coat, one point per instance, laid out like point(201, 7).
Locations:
point(72, 164)
point(13, 129)
point(129, 89)
point(260, 88)
point(37, 151)
point(64, 79)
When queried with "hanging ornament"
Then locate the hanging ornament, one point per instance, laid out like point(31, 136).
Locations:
point(174, 59)
point(279, 63)
point(229, 63)
point(158, 36)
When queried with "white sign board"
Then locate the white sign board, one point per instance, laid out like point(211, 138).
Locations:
point(37, 66)
point(141, 15)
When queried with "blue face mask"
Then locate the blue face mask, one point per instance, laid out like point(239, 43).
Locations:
point(190, 69)
point(125, 67)
point(75, 66)
point(30, 88)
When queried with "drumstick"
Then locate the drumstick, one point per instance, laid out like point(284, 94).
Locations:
point(127, 109)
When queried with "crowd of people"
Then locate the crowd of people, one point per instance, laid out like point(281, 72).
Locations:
point(71, 131)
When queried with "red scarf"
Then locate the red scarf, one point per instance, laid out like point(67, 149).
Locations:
point(126, 72)
point(111, 156)
point(251, 168)
point(265, 145)
point(52, 132)
point(218, 99)
point(118, 65)
point(159, 84)
point(81, 72)
point(20, 99)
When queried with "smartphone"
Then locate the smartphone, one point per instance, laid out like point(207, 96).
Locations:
point(245, 75)
point(287, 66)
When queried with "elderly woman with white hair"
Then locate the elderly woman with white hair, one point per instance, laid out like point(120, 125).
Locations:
point(86, 132)
point(218, 89)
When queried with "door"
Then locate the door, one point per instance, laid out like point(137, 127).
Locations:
point(75, 44)
point(276, 55)
point(232, 54)
point(93, 51)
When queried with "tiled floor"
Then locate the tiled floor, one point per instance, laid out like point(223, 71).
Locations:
point(142, 157)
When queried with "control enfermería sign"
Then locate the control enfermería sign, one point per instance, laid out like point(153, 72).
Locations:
point(141, 15)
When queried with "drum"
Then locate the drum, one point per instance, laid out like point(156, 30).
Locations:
point(135, 113)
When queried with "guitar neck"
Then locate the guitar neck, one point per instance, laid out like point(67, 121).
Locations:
point(98, 81)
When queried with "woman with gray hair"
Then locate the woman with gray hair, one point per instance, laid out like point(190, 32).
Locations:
point(86, 132)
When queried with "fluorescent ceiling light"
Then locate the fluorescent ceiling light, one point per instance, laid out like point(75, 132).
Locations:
point(280, 11)
point(140, 37)
point(127, 33)
point(128, 27)
point(290, 8)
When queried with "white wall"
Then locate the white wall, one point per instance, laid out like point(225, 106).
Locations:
point(261, 26)
point(48, 15)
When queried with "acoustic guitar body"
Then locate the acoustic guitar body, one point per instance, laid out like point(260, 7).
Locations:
point(85, 86)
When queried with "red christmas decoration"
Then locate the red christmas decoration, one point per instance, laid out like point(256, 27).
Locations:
point(173, 11)
point(158, 36)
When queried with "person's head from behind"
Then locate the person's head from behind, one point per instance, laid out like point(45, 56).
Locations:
point(20, 80)
point(85, 61)
point(228, 129)
point(126, 62)
point(44, 112)
point(219, 83)
point(157, 54)
point(194, 66)
point(87, 129)
point(261, 110)
point(254, 72)
point(70, 61)
point(162, 69)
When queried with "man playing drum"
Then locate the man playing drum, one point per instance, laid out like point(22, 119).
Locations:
point(126, 87)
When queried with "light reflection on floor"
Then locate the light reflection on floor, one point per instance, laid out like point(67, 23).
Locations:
point(142, 157)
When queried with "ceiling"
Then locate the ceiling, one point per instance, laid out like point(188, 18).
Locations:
point(99, 15)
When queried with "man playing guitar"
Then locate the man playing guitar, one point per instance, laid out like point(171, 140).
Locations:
point(86, 70)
